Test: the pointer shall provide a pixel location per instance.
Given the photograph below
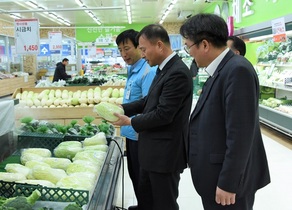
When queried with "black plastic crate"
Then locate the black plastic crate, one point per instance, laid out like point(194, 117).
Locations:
point(39, 140)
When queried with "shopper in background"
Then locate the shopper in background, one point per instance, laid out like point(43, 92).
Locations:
point(140, 76)
point(60, 71)
point(226, 153)
point(237, 45)
point(161, 119)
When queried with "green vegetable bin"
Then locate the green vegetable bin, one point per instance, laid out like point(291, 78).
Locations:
point(39, 140)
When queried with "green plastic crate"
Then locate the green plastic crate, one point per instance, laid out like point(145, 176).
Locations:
point(12, 189)
point(54, 194)
point(7, 189)
point(39, 140)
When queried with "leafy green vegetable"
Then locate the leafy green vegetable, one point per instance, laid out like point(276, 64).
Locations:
point(74, 206)
point(88, 119)
point(20, 202)
point(26, 120)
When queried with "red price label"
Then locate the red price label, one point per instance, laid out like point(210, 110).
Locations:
point(30, 48)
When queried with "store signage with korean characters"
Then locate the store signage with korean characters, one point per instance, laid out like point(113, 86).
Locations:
point(279, 30)
point(55, 40)
point(26, 36)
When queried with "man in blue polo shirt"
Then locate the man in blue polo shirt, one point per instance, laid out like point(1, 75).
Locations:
point(140, 76)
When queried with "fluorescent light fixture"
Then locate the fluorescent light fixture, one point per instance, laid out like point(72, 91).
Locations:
point(79, 2)
point(170, 6)
point(128, 8)
point(15, 16)
point(67, 23)
point(53, 15)
point(167, 11)
point(42, 8)
point(32, 4)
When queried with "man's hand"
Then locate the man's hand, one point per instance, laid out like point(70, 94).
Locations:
point(224, 197)
point(123, 120)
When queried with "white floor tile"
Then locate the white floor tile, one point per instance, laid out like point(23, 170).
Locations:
point(275, 196)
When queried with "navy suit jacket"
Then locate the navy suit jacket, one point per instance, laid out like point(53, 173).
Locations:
point(163, 125)
point(226, 147)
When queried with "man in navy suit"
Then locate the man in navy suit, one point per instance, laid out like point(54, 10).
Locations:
point(226, 153)
point(161, 120)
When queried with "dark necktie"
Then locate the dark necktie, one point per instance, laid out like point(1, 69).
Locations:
point(158, 71)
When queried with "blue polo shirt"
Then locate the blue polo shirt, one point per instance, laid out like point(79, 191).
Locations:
point(140, 76)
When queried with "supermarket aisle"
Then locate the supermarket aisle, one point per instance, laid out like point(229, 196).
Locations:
point(273, 197)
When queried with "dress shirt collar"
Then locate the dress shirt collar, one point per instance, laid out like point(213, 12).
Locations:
point(161, 66)
point(215, 63)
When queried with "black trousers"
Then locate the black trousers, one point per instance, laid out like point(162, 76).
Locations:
point(158, 191)
point(242, 203)
point(133, 163)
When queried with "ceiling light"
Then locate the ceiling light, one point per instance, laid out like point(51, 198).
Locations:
point(32, 4)
point(79, 2)
point(128, 9)
point(170, 6)
point(42, 8)
point(15, 16)
point(53, 15)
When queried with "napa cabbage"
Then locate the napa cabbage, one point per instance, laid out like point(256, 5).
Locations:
point(97, 139)
point(11, 177)
point(50, 174)
point(61, 163)
point(106, 110)
point(17, 168)
point(67, 149)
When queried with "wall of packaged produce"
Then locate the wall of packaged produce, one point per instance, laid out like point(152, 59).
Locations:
point(273, 64)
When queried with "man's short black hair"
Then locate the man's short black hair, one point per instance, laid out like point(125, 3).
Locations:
point(65, 59)
point(127, 35)
point(202, 26)
point(238, 44)
point(153, 33)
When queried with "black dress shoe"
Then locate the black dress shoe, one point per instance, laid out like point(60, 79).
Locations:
point(133, 208)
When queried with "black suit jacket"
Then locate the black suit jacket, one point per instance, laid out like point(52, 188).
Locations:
point(226, 147)
point(163, 124)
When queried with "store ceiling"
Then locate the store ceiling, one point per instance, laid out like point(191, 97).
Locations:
point(107, 11)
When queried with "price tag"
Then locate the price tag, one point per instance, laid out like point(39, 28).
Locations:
point(27, 36)
point(55, 40)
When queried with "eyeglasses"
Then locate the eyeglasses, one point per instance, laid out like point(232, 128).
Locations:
point(187, 49)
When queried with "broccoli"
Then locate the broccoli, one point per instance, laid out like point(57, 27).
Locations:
point(20, 202)
point(73, 206)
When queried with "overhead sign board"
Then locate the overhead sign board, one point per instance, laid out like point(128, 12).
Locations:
point(26, 36)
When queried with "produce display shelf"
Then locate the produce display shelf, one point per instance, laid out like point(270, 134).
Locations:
point(102, 198)
point(276, 119)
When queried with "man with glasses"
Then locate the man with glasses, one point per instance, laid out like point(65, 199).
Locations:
point(140, 76)
point(226, 153)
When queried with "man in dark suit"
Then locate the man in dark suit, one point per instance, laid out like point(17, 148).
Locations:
point(161, 120)
point(226, 153)
point(237, 45)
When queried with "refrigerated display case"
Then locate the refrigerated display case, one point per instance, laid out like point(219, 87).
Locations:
point(274, 67)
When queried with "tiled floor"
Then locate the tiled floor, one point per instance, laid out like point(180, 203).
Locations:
point(276, 196)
